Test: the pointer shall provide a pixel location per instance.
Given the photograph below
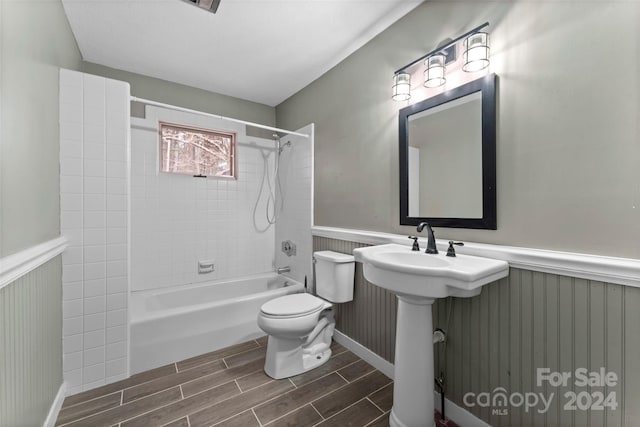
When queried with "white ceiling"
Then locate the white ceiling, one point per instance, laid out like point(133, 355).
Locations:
point(260, 50)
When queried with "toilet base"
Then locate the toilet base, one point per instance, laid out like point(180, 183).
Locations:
point(287, 357)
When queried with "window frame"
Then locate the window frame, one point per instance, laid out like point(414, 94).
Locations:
point(190, 128)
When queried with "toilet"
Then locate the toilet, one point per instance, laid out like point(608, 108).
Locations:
point(300, 326)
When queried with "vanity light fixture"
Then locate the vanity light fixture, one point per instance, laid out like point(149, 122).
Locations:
point(476, 52)
point(401, 86)
point(476, 57)
point(434, 74)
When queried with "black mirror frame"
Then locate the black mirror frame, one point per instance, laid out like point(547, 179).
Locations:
point(487, 87)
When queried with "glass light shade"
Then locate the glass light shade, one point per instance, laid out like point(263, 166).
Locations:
point(476, 52)
point(434, 74)
point(401, 87)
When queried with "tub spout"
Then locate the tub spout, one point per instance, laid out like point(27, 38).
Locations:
point(281, 270)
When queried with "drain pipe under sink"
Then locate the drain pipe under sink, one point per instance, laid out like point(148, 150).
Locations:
point(440, 336)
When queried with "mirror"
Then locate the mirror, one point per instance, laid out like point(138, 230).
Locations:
point(448, 158)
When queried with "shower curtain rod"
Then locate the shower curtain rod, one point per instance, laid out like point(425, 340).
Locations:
point(217, 116)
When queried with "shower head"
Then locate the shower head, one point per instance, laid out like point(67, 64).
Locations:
point(209, 5)
point(282, 147)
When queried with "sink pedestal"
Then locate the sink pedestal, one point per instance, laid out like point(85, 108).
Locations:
point(419, 279)
point(413, 374)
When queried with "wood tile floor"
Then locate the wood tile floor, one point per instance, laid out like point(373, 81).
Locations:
point(229, 388)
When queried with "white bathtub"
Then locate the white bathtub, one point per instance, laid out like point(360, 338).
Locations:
point(172, 324)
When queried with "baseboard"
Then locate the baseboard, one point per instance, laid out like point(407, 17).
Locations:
point(454, 412)
point(364, 353)
point(52, 416)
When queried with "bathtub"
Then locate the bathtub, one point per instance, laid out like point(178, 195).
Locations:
point(169, 325)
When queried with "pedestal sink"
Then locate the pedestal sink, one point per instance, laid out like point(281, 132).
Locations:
point(418, 279)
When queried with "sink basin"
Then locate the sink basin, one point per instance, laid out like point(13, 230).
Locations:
point(406, 272)
point(418, 279)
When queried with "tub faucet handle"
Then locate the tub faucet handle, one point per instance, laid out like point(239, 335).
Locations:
point(285, 269)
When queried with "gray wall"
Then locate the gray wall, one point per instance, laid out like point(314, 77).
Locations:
point(187, 96)
point(36, 40)
point(526, 321)
point(567, 149)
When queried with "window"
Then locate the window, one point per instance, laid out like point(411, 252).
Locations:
point(199, 152)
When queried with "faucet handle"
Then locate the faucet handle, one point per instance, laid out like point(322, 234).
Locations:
point(416, 246)
point(451, 251)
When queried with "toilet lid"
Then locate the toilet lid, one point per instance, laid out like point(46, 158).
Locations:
point(293, 304)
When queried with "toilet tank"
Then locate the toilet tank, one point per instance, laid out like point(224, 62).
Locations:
point(334, 276)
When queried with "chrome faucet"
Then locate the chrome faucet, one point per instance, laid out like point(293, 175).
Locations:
point(431, 239)
point(281, 270)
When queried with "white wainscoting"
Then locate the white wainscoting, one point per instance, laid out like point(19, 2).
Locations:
point(14, 266)
point(622, 271)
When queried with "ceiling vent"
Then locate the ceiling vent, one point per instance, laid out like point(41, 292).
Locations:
point(209, 5)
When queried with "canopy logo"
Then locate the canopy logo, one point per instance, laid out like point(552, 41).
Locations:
point(499, 400)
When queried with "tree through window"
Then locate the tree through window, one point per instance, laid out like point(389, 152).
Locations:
point(193, 151)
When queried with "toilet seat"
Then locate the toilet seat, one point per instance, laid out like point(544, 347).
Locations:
point(293, 305)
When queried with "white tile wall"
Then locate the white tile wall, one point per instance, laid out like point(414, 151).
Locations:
point(177, 220)
point(94, 140)
point(296, 218)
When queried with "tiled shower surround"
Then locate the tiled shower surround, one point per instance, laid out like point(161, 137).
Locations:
point(295, 217)
point(177, 220)
point(94, 123)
